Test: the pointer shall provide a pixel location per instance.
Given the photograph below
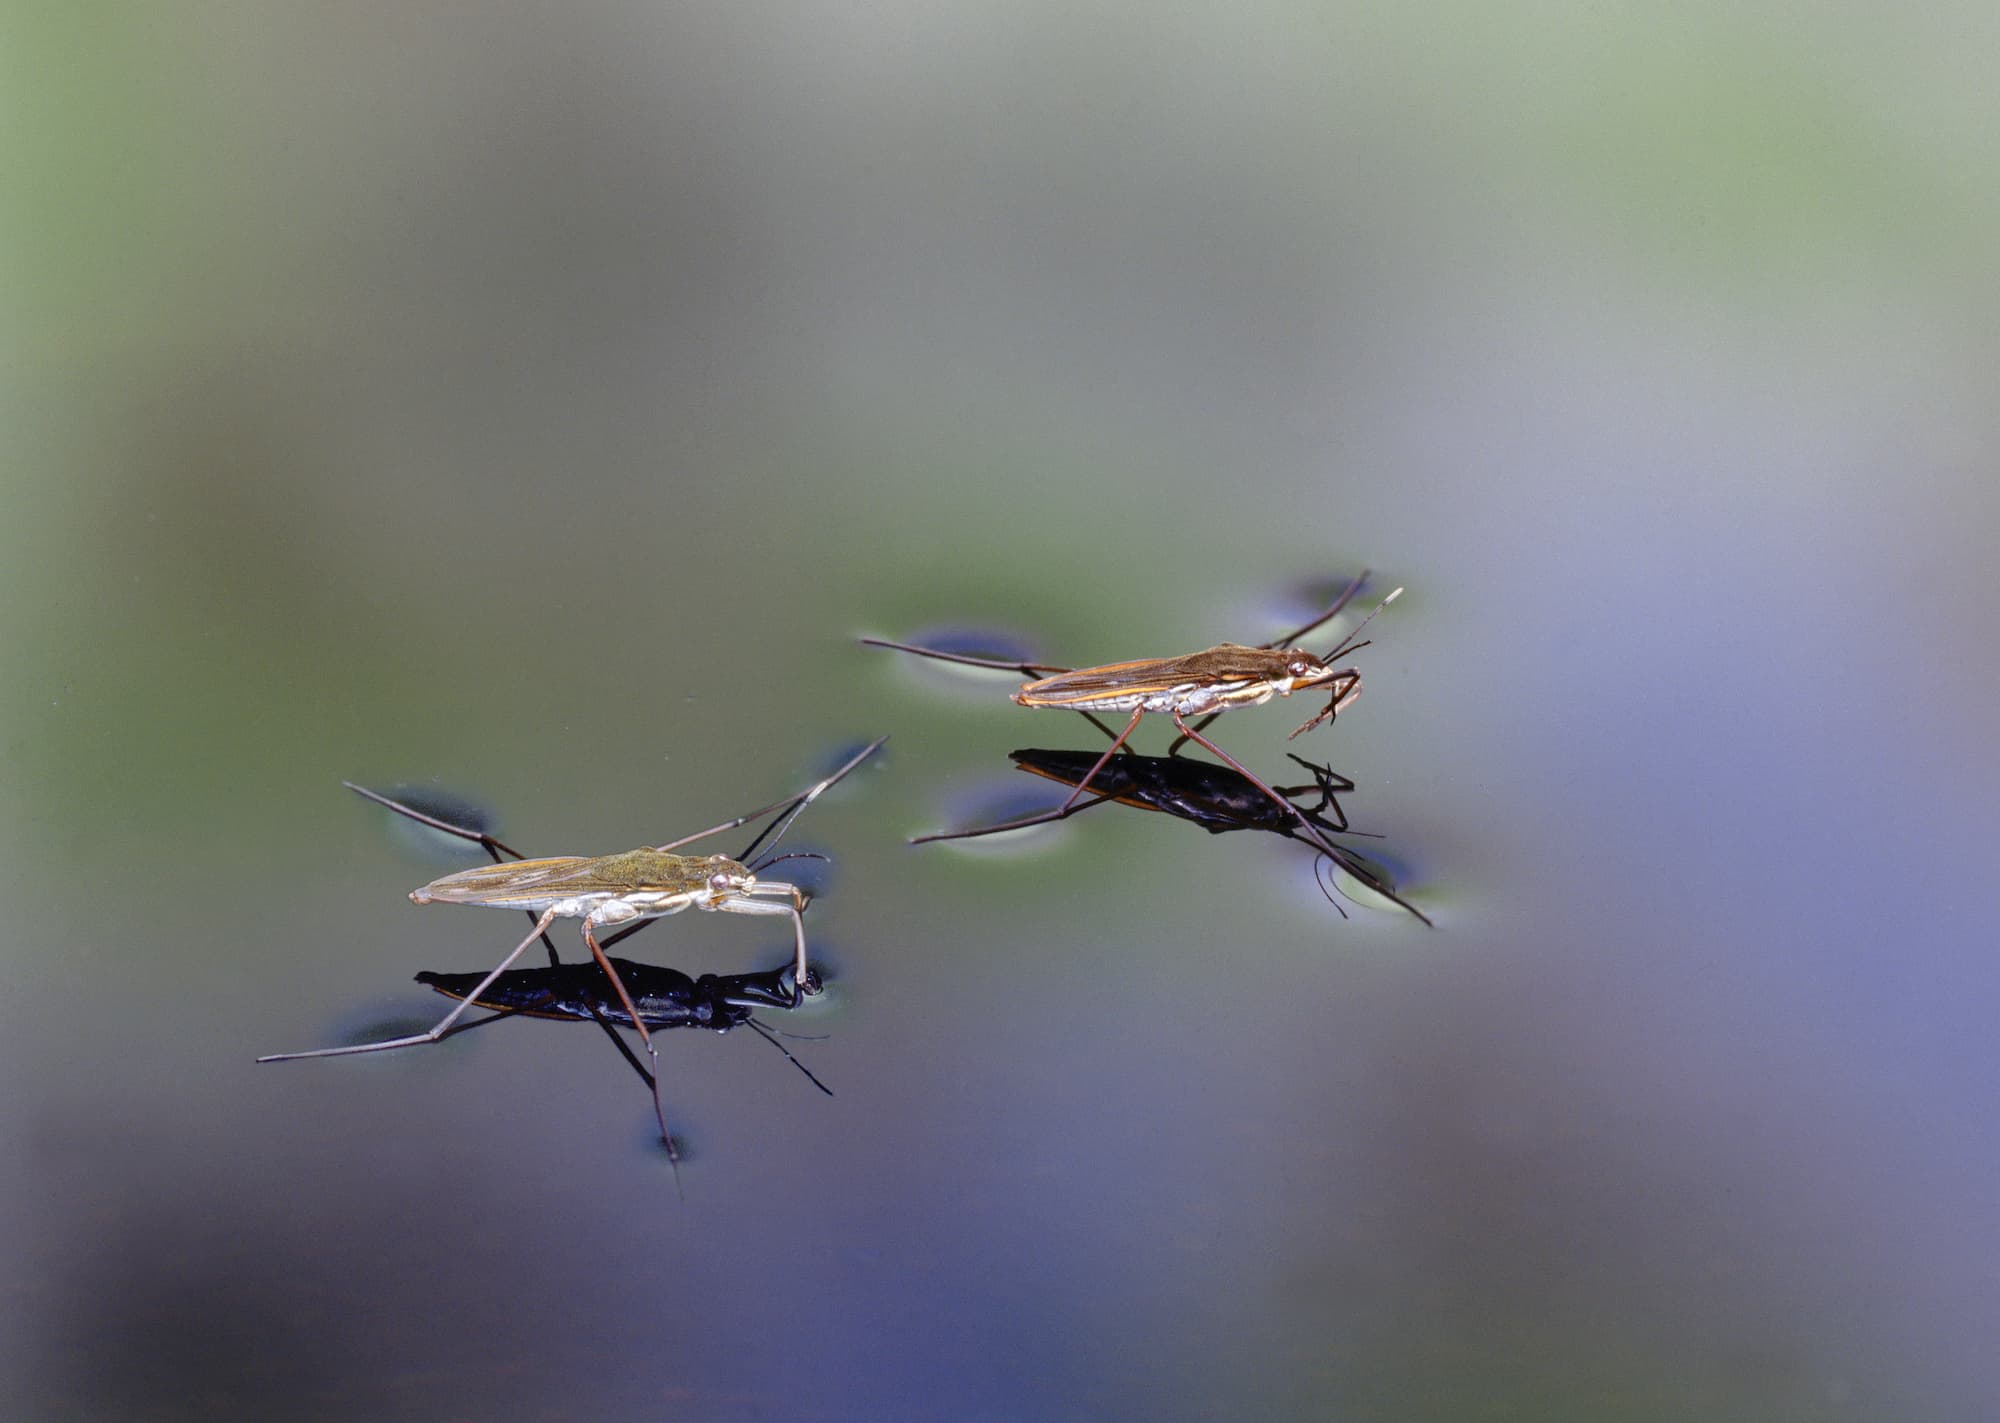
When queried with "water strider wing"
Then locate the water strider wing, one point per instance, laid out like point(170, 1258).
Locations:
point(516, 882)
point(1226, 665)
point(536, 884)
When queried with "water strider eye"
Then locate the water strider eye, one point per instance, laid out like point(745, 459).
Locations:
point(1300, 667)
point(719, 882)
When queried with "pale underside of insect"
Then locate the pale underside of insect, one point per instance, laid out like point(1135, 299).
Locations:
point(606, 891)
point(1200, 684)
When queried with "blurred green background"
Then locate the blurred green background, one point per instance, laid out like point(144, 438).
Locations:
point(533, 402)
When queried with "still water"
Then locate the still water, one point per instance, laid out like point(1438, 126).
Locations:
point(536, 410)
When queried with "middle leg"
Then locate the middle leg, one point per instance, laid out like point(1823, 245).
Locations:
point(1312, 832)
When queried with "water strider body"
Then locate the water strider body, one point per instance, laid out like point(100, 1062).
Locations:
point(1205, 683)
point(611, 890)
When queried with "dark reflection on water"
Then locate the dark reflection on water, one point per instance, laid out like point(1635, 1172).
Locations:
point(1218, 799)
point(665, 997)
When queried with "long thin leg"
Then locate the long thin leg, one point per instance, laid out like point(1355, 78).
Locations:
point(1026, 669)
point(1328, 781)
point(1174, 746)
point(775, 831)
point(799, 935)
point(631, 1058)
point(1313, 835)
point(1324, 778)
point(743, 819)
point(744, 904)
point(1338, 701)
point(444, 1024)
point(1091, 717)
point(1361, 871)
point(759, 812)
point(796, 803)
point(493, 847)
point(770, 1037)
point(1117, 741)
point(618, 987)
point(632, 1009)
point(1068, 808)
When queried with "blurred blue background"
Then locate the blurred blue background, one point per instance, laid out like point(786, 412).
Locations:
point(534, 401)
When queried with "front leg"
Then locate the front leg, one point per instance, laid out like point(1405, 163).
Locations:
point(1344, 689)
point(744, 904)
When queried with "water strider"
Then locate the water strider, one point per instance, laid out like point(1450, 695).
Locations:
point(1202, 793)
point(625, 889)
point(1201, 684)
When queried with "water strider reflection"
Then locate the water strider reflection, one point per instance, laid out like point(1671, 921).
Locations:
point(665, 997)
point(1216, 798)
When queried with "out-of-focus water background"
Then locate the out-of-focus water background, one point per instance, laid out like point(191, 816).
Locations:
point(532, 403)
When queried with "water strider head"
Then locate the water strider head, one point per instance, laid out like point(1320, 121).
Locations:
point(1299, 670)
point(728, 878)
point(731, 882)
